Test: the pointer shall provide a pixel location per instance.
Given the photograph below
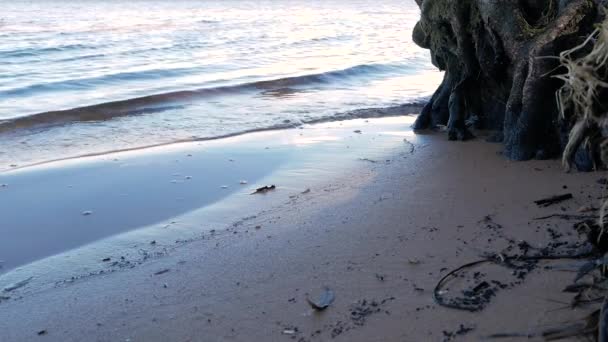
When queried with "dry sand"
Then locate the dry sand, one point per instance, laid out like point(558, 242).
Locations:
point(380, 235)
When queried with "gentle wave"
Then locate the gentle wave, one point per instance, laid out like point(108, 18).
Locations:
point(30, 52)
point(171, 100)
point(80, 83)
point(362, 113)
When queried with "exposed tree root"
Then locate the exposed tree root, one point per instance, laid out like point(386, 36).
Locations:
point(494, 57)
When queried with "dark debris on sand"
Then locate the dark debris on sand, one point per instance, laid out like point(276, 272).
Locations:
point(589, 287)
point(545, 202)
point(357, 316)
point(163, 271)
point(359, 312)
point(264, 189)
point(518, 259)
point(461, 331)
point(326, 298)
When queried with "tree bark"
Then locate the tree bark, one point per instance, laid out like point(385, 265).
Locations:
point(497, 58)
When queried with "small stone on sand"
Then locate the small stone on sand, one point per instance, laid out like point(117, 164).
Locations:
point(87, 213)
point(243, 182)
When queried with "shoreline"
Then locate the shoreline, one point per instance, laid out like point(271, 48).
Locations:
point(112, 194)
point(380, 232)
point(362, 113)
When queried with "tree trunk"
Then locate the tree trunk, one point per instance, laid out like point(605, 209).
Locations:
point(497, 58)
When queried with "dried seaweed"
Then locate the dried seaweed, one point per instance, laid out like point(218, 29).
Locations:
point(477, 298)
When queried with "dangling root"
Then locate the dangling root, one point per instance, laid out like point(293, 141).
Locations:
point(584, 80)
point(580, 99)
point(575, 139)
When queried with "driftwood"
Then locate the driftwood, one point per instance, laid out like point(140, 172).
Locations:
point(545, 202)
point(264, 189)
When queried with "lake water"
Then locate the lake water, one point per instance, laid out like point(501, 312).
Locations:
point(84, 77)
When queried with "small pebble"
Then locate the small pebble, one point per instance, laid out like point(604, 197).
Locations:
point(243, 182)
point(87, 213)
point(224, 187)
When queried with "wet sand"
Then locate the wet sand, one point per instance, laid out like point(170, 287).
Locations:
point(190, 188)
point(376, 219)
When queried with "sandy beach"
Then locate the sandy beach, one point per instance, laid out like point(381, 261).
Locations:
point(174, 248)
point(418, 170)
